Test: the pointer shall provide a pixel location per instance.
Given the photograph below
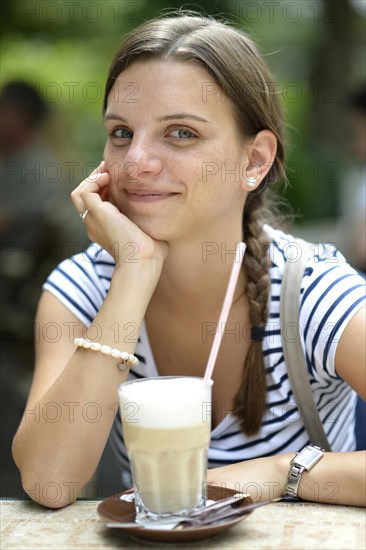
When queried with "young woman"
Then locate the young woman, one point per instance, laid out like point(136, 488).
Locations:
point(195, 139)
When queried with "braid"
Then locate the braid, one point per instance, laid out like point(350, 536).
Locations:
point(250, 400)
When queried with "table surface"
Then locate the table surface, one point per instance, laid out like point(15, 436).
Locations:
point(282, 525)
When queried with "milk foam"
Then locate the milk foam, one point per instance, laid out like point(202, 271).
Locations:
point(166, 402)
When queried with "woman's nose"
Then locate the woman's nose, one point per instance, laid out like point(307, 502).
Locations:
point(142, 158)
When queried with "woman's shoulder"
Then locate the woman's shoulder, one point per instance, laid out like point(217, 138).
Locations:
point(81, 282)
point(284, 247)
point(327, 276)
point(94, 259)
point(94, 255)
point(332, 291)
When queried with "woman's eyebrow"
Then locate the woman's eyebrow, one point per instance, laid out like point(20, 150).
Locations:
point(175, 116)
point(183, 115)
point(112, 116)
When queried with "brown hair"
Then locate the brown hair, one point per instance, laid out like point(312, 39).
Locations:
point(234, 62)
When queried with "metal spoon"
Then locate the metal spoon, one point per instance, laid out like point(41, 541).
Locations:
point(225, 514)
point(181, 522)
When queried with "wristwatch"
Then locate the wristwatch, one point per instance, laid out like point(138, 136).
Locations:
point(304, 460)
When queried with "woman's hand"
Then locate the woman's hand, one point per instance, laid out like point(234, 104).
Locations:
point(107, 226)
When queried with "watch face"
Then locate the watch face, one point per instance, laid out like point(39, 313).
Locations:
point(308, 457)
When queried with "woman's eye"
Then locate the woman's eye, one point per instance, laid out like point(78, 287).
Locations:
point(122, 133)
point(182, 133)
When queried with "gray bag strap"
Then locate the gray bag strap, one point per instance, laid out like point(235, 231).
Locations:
point(292, 348)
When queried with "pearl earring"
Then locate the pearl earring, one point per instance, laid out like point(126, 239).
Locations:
point(251, 182)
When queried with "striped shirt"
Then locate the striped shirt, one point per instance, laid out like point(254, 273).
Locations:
point(331, 293)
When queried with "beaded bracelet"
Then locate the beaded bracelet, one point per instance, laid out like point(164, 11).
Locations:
point(127, 359)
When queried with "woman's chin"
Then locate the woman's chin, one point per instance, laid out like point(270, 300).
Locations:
point(153, 229)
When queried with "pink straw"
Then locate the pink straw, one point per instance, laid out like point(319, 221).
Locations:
point(239, 255)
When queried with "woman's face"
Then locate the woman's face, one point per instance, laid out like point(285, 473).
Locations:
point(173, 151)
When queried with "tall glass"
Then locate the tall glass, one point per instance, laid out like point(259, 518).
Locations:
point(166, 427)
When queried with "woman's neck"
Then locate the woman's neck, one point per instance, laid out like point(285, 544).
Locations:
point(196, 274)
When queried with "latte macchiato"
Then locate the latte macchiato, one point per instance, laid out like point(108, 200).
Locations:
point(167, 432)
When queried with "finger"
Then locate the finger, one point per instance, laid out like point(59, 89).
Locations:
point(97, 208)
point(99, 170)
point(92, 184)
point(104, 193)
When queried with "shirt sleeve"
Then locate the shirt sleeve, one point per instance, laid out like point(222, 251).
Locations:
point(332, 292)
point(77, 284)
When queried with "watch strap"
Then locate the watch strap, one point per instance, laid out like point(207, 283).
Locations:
point(299, 464)
point(293, 480)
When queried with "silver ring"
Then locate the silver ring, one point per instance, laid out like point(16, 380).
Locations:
point(84, 214)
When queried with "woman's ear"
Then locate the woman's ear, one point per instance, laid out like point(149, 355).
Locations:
point(260, 153)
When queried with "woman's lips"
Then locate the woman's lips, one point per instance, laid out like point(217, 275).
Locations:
point(148, 197)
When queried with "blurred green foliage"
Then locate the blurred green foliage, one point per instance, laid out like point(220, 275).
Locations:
point(64, 47)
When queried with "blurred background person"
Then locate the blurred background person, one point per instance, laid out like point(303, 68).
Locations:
point(38, 228)
point(35, 207)
point(25, 196)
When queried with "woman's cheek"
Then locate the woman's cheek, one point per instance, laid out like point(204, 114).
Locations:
point(105, 194)
point(112, 159)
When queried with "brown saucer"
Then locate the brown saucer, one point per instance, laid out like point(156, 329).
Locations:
point(114, 510)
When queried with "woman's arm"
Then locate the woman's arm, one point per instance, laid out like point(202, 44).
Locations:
point(350, 359)
point(338, 478)
point(73, 399)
